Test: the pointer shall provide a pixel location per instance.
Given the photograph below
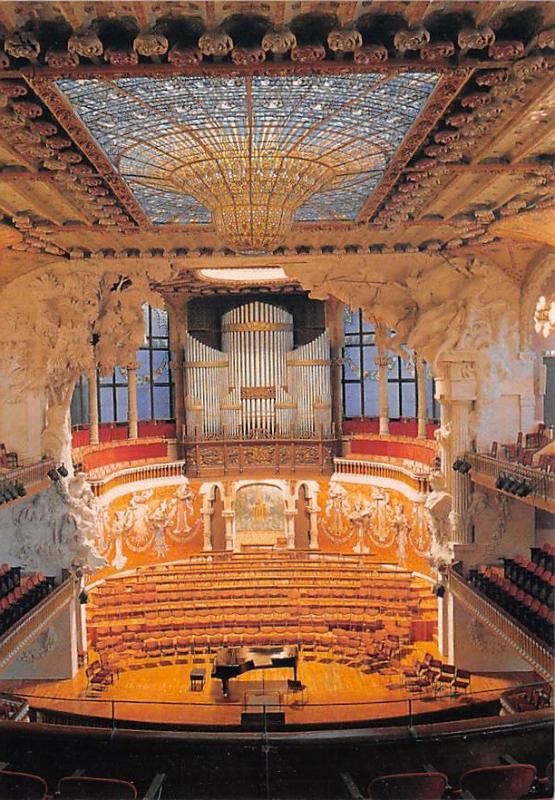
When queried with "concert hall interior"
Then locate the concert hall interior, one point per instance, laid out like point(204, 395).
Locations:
point(277, 397)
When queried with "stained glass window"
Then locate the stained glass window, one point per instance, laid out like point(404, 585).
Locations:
point(154, 380)
point(187, 144)
point(360, 376)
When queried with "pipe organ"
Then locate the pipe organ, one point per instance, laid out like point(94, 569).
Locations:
point(258, 385)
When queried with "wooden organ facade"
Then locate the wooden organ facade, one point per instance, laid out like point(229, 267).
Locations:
point(257, 387)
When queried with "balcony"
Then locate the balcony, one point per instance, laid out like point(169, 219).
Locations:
point(538, 654)
point(416, 480)
point(486, 471)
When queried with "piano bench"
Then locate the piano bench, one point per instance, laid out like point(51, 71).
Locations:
point(197, 678)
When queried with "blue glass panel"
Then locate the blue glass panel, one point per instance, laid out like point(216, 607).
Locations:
point(368, 361)
point(393, 395)
point(162, 402)
point(144, 365)
point(159, 322)
point(121, 403)
point(371, 398)
point(408, 397)
point(160, 366)
point(352, 400)
point(351, 320)
point(157, 131)
point(106, 409)
point(143, 402)
point(351, 369)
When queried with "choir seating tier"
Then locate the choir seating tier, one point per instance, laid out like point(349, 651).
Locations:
point(163, 614)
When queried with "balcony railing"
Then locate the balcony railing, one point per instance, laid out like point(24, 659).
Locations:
point(27, 474)
point(145, 472)
point(542, 483)
point(376, 469)
point(538, 654)
point(35, 622)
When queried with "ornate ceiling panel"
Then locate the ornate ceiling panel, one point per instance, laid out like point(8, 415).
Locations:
point(252, 153)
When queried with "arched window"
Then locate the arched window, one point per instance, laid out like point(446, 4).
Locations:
point(360, 375)
point(154, 380)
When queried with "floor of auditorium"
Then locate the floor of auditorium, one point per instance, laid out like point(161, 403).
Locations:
point(335, 693)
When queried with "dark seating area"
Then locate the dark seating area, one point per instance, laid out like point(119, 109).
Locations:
point(19, 594)
point(507, 781)
point(527, 698)
point(8, 460)
point(28, 786)
point(525, 589)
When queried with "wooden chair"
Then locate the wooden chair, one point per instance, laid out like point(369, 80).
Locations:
point(413, 785)
point(22, 786)
point(462, 680)
point(508, 782)
point(512, 451)
point(81, 787)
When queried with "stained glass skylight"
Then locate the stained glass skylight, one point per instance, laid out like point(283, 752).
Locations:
point(252, 154)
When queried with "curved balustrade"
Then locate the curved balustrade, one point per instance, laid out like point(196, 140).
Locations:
point(144, 472)
point(376, 469)
point(27, 474)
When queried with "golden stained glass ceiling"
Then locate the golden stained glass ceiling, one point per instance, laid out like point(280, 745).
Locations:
point(251, 154)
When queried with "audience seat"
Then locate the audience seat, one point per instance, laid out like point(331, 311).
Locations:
point(22, 786)
point(413, 785)
point(508, 782)
point(84, 788)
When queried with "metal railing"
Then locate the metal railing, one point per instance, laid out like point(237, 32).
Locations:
point(34, 622)
point(541, 482)
point(27, 473)
point(144, 472)
point(378, 469)
point(538, 654)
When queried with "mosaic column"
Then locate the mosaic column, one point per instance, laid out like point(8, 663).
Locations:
point(93, 407)
point(421, 397)
point(290, 514)
point(132, 411)
point(313, 509)
point(228, 522)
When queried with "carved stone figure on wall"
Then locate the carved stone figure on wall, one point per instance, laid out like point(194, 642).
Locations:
point(360, 520)
point(438, 506)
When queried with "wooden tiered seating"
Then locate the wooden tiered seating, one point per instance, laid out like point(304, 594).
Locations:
point(161, 615)
point(19, 594)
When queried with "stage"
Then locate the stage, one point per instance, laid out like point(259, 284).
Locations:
point(333, 694)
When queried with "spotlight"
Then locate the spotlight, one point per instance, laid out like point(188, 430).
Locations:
point(2, 499)
point(21, 490)
point(439, 590)
point(83, 598)
point(62, 471)
point(465, 467)
point(524, 489)
point(500, 481)
point(457, 464)
point(53, 475)
point(511, 484)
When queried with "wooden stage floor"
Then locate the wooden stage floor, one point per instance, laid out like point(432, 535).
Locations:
point(335, 693)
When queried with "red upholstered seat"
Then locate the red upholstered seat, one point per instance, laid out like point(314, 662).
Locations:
point(22, 786)
point(84, 788)
point(408, 786)
point(509, 782)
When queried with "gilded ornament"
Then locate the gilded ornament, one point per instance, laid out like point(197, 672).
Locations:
point(546, 39)
point(248, 55)
point(22, 44)
point(61, 58)
point(184, 56)
point(509, 49)
point(215, 43)
point(86, 44)
point(24, 108)
point(529, 67)
point(412, 39)
point(279, 42)
point(344, 40)
point(308, 54)
point(370, 54)
point(435, 51)
point(4, 61)
point(492, 78)
point(12, 90)
point(121, 57)
point(43, 128)
point(459, 120)
point(476, 38)
point(148, 44)
point(475, 99)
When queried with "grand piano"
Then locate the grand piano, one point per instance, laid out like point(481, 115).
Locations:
point(232, 661)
